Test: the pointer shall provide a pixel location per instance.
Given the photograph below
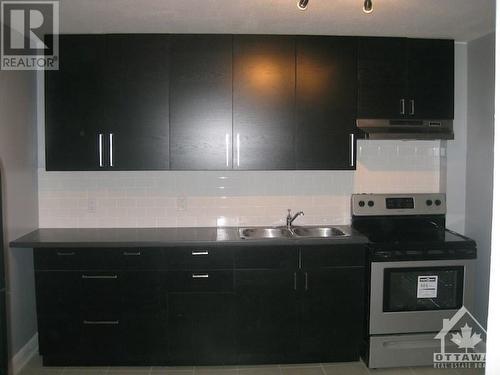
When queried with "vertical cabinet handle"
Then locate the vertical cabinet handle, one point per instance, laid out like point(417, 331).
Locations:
point(351, 160)
point(295, 281)
point(111, 161)
point(412, 107)
point(100, 150)
point(306, 277)
point(227, 149)
point(402, 109)
point(238, 149)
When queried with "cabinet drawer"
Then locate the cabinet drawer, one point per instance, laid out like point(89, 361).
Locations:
point(333, 256)
point(97, 258)
point(200, 281)
point(264, 257)
point(196, 258)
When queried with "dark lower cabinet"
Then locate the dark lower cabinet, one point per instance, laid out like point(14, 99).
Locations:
point(248, 305)
point(267, 316)
point(331, 314)
point(201, 328)
point(101, 318)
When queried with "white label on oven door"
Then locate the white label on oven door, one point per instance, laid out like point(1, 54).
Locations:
point(427, 287)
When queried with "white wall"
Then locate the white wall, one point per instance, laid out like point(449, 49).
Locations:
point(454, 165)
point(163, 199)
point(479, 188)
point(18, 166)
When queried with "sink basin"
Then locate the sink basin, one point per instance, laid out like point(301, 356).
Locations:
point(263, 233)
point(318, 232)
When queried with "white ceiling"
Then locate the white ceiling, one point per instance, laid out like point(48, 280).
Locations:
point(462, 20)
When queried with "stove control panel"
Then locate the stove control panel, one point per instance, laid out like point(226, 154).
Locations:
point(398, 204)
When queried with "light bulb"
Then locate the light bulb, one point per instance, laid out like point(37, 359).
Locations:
point(302, 4)
point(368, 6)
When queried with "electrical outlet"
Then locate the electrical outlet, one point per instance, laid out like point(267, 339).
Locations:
point(181, 204)
point(92, 205)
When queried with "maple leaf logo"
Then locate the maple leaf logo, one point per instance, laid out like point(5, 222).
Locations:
point(466, 340)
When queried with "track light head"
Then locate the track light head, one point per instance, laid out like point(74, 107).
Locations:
point(368, 6)
point(302, 4)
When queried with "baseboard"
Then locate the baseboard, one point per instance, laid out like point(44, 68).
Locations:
point(24, 355)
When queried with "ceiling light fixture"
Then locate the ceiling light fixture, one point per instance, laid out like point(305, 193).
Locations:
point(368, 6)
point(302, 4)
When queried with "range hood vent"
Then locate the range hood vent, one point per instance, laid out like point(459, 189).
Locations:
point(405, 129)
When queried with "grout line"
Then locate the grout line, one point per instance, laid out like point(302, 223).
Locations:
point(323, 369)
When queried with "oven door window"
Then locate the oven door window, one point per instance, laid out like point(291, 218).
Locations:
point(423, 289)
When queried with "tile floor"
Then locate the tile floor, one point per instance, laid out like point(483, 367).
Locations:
point(34, 367)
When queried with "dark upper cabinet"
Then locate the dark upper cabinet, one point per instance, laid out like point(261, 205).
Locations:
point(263, 102)
point(326, 102)
point(431, 78)
point(201, 102)
point(74, 105)
point(137, 102)
point(405, 78)
point(382, 77)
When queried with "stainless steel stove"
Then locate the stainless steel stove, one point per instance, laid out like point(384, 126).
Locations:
point(420, 274)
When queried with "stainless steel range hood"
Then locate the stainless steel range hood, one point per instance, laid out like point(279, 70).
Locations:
point(405, 129)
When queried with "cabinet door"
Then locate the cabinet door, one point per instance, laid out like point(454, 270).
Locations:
point(201, 102)
point(382, 78)
point(267, 314)
point(74, 105)
point(332, 314)
point(264, 102)
point(431, 76)
point(137, 102)
point(326, 102)
point(201, 328)
point(143, 321)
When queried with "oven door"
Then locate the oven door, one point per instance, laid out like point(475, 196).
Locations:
point(415, 296)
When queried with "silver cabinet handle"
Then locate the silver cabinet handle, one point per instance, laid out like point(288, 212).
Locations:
point(114, 277)
point(132, 254)
point(101, 322)
point(198, 253)
point(227, 149)
point(199, 275)
point(306, 280)
point(402, 107)
point(412, 107)
point(352, 149)
point(63, 254)
point(111, 161)
point(238, 149)
point(101, 164)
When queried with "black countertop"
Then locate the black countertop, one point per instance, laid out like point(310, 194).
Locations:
point(157, 237)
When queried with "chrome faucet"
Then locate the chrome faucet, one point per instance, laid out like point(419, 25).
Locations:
point(290, 219)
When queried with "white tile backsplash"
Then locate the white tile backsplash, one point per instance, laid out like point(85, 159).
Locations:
point(171, 198)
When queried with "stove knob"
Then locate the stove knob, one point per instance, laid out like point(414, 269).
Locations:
point(371, 203)
point(428, 202)
point(437, 202)
point(361, 203)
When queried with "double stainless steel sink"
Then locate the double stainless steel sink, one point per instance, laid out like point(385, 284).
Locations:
point(258, 233)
